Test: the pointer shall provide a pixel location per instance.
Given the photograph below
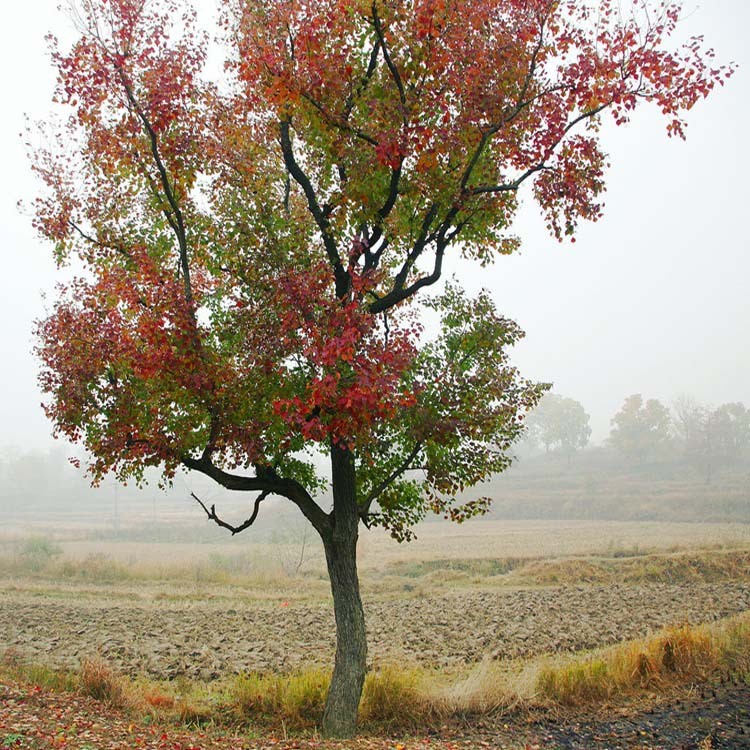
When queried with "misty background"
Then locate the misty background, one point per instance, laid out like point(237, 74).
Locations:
point(651, 300)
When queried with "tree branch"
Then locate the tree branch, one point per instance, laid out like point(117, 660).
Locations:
point(267, 480)
point(342, 125)
point(389, 480)
point(509, 187)
point(399, 291)
point(512, 186)
point(391, 67)
point(294, 169)
point(94, 241)
point(234, 529)
point(369, 73)
point(179, 224)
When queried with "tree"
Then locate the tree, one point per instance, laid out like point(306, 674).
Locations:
point(712, 438)
point(640, 429)
point(254, 246)
point(561, 423)
point(733, 432)
point(687, 417)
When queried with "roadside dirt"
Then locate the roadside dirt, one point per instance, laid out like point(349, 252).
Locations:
point(207, 639)
point(712, 717)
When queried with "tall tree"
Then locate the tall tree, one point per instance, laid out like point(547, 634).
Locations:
point(640, 428)
point(254, 247)
point(559, 423)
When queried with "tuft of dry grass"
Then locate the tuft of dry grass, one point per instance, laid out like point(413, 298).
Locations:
point(304, 696)
point(395, 696)
point(98, 680)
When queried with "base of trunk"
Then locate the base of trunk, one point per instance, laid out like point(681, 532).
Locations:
point(342, 704)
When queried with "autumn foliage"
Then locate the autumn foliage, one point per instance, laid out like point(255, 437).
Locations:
point(253, 244)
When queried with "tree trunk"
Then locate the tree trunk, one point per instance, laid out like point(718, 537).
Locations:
point(340, 716)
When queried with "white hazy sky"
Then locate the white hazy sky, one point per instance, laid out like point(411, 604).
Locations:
point(654, 298)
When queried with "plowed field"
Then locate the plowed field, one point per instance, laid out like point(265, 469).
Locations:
point(206, 639)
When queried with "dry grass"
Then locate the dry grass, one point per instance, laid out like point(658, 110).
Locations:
point(397, 696)
point(674, 656)
point(248, 576)
point(492, 539)
point(485, 689)
point(489, 540)
point(392, 696)
point(256, 577)
point(98, 680)
point(37, 674)
point(296, 700)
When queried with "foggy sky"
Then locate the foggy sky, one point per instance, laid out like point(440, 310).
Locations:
point(652, 299)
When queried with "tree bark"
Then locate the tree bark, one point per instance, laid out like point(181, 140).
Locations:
point(340, 716)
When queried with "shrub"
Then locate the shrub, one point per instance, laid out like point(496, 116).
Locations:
point(38, 551)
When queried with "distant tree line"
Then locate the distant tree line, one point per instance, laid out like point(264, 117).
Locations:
point(645, 430)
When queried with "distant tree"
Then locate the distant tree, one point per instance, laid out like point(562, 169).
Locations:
point(639, 429)
point(732, 425)
point(687, 414)
point(693, 428)
point(559, 423)
point(37, 480)
point(713, 438)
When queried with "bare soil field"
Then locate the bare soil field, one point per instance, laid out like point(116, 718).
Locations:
point(207, 639)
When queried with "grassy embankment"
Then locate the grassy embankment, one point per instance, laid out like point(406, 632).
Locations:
point(36, 560)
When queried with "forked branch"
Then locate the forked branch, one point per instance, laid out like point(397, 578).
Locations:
point(234, 529)
point(267, 482)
